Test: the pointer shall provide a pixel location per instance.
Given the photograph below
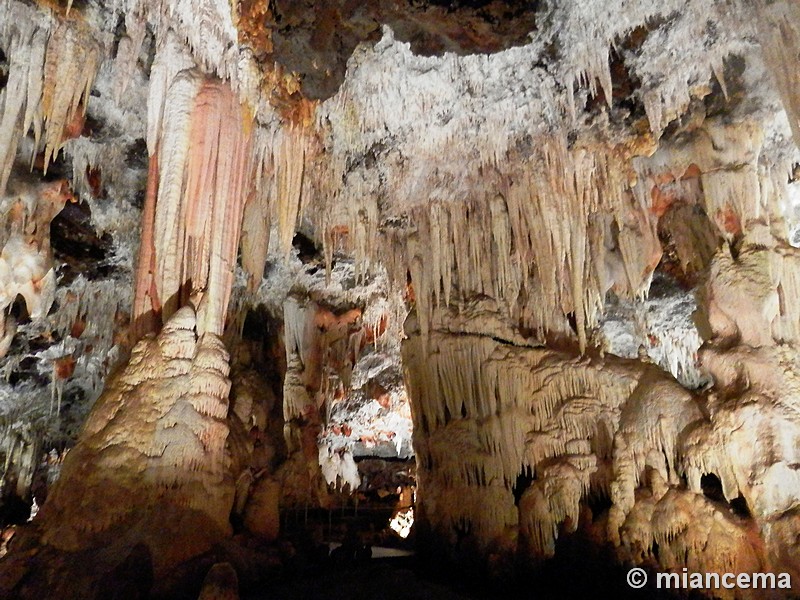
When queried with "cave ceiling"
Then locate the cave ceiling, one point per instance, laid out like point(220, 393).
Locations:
point(315, 40)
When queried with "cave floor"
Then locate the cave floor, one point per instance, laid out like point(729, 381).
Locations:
point(385, 579)
point(406, 579)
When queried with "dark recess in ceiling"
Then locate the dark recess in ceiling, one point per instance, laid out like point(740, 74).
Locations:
point(316, 39)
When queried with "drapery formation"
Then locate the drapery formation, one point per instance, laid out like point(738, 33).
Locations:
point(190, 247)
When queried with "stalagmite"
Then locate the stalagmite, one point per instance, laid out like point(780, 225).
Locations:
point(527, 251)
point(163, 420)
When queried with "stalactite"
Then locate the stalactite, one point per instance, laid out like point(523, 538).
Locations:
point(779, 35)
point(203, 162)
point(70, 66)
point(255, 238)
point(129, 48)
point(280, 149)
point(21, 95)
point(169, 224)
point(552, 500)
point(20, 449)
point(289, 162)
point(26, 271)
point(171, 58)
point(339, 469)
point(207, 28)
point(216, 194)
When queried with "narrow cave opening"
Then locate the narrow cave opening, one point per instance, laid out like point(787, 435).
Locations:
point(740, 507)
point(3, 70)
point(712, 487)
point(14, 510)
point(19, 310)
point(599, 504)
point(307, 250)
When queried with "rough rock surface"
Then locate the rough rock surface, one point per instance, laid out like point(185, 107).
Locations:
point(150, 468)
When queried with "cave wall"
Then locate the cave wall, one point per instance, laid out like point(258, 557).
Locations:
point(518, 445)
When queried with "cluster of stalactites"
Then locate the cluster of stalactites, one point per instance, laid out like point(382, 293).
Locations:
point(690, 532)
point(280, 165)
point(673, 64)
point(52, 65)
point(485, 412)
point(564, 232)
point(217, 181)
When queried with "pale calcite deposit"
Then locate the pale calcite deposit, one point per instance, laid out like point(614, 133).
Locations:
point(26, 262)
point(151, 463)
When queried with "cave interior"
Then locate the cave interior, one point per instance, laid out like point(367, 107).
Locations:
point(399, 299)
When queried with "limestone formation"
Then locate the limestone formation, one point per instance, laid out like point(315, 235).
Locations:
point(150, 465)
point(543, 257)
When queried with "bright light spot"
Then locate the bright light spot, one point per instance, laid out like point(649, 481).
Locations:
point(34, 510)
point(794, 235)
point(401, 523)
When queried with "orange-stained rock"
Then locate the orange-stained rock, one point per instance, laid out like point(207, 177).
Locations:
point(150, 466)
point(262, 515)
point(64, 367)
